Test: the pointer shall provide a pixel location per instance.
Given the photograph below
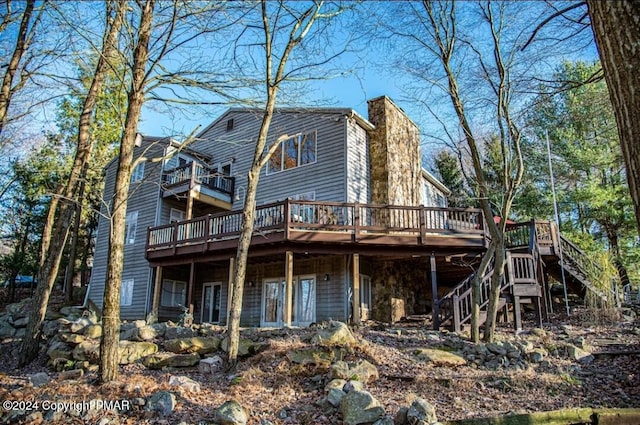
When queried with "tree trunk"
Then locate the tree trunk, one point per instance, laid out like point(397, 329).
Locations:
point(109, 347)
point(6, 91)
point(56, 230)
point(616, 26)
point(477, 285)
point(496, 283)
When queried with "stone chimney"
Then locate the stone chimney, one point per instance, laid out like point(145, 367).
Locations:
point(394, 151)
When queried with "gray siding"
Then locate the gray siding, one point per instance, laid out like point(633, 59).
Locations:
point(326, 177)
point(357, 164)
point(144, 198)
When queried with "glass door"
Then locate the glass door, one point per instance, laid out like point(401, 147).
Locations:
point(211, 301)
point(272, 302)
point(304, 300)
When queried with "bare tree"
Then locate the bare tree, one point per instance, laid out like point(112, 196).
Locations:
point(616, 26)
point(16, 73)
point(284, 29)
point(63, 207)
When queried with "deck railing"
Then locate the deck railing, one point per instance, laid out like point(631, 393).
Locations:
point(195, 173)
point(356, 219)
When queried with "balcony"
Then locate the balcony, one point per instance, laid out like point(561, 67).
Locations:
point(323, 223)
point(199, 182)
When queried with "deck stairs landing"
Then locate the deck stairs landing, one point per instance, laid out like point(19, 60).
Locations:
point(533, 249)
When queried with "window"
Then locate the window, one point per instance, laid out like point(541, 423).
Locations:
point(176, 215)
point(126, 292)
point(138, 173)
point(365, 292)
point(294, 152)
point(174, 293)
point(230, 124)
point(130, 227)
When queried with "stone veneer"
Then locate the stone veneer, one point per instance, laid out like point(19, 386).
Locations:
point(394, 150)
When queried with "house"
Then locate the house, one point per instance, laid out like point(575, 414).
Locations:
point(348, 224)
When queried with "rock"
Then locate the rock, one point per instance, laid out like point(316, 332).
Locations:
point(361, 370)
point(79, 325)
point(87, 350)
point(496, 348)
point(359, 407)
point(130, 352)
point(200, 345)
point(19, 309)
point(162, 402)
point(335, 383)
point(421, 412)
point(74, 339)
point(21, 322)
point(178, 332)
point(160, 329)
point(337, 334)
point(400, 417)
point(71, 374)
point(211, 364)
point(246, 347)
point(162, 360)
point(59, 350)
point(39, 379)
point(579, 355)
point(334, 397)
point(139, 323)
point(34, 418)
point(539, 332)
point(387, 420)
point(438, 357)
point(73, 311)
point(311, 356)
point(147, 333)
point(537, 355)
point(50, 328)
point(184, 383)
point(353, 385)
point(6, 330)
point(93, 331)
point(231, 413)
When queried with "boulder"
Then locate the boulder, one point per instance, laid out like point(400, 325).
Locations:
point(311, 356)
point(19, 309)
point(70, 374)
point(361, 370)
point(50, 328)
point(246, 347)
point(184, 384)
point(337, 334)
point(421, 412)
point(200, 345)
point(130, 352)
point(579, 355)
point(438, 357)
point(359, 407)
point(353, 386)
point(162, 402)
point(6, 330)
point(211, 364)
point(334, 397)
point(39, 379)
point(20, 322)
point(537, 355)
point(79, 325)
point(93, 331)
point(335, 383)
point(59, 350)
point(162, 360)
point(231, 413)
point(147, 333)
point(74, 339)
point(387, 420)
point(87, 350)
point(178, 332)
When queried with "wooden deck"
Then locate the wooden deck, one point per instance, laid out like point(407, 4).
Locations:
point(324, 225)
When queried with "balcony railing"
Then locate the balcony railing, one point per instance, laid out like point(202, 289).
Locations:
point(358, 220)
point(193, 173)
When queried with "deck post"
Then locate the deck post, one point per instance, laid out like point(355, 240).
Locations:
point(192, 281)
point(517, 314)
point(288, 301)
point(157, 288)
point(435, 310)
point(356, 288)
point(456, 314)
point(232, 262)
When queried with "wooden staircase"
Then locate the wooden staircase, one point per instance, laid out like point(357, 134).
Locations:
point(533, 249)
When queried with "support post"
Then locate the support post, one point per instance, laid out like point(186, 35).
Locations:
point(288, 301)
point(232, 262)
point(356, 288)
point(517, 314)
point(434, 292)
point(157, 288)
point(192, 280)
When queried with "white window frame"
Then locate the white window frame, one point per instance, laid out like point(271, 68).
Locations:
point(178, 297)
point(282, 152)
point(126, 292)
point(177, 215)
point(130, 228)
point(138, 173)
